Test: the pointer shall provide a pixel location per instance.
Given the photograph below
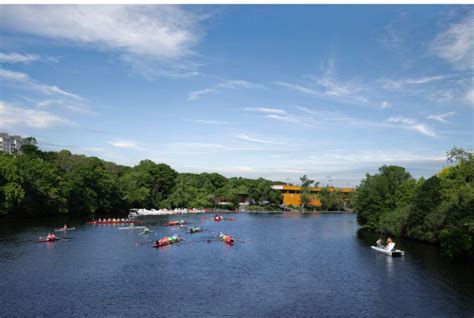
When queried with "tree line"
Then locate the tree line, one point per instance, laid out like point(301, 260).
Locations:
point(439, 209)
point(35, 182)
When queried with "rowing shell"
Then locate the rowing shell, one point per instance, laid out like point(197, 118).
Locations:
point(62, 230)
point(131, 227)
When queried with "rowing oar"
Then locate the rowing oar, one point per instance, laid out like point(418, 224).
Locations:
point(141, 233)
point(44, 239)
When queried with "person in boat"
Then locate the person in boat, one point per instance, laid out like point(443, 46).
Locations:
point(51, 237)
point(65, 227)
point(379, 243)
point(389, 240)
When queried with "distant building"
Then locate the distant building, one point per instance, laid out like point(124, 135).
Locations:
point(11, 144)
point(291, 195)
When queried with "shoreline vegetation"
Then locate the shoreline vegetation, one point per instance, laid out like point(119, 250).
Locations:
point(438, 210)
point(37, 183)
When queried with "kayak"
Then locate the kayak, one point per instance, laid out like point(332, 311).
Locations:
point(226, 238)
point(175, 223)
point(113, 222)
point(132, 227)
point(68, 229)
point(392, 252)
point(221, 218)
point(145, 231)
point(195, 230)
point(46, 240)
point(167, 240)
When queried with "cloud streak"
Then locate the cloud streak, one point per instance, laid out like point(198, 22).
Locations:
point(412, 124)
point(19, 117)
point(456, 44)
point(265, 110)
point(410, 82)
point(230, 84)
point(260, 141)
point(152, 39)
point(18, 58)
point(25, 81)
point(211, 122)
point(128, 144)
point(441, 117)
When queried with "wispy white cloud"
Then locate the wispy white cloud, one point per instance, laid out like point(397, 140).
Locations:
point(298, 88)
point(211, 122)
point(153, 39)
point(306, 110)
point(230, 84)
point(197, 94)
point(237, 84)
point(392, 38)
point(18, 58)
point(412, 124)
point(124, 144)
point(265, 110)
point(287, 119)
point(456, 44)
point(385, 104)
point(26, 58)
point(69, 105)
point(441, 117)
point(260, 141)
point(469, 97)
point(329, 86)
point(25, 81)
point(403, 83)
point(19, 117)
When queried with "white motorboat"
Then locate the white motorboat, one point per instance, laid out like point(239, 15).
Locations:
point(389, 250)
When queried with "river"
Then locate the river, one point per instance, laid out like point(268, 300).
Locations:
point(282, 265)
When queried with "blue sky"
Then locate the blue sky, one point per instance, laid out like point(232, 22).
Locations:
point(256, 91)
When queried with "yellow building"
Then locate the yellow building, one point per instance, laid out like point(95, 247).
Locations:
point(291, 195)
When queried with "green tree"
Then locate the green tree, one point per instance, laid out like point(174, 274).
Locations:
point(11, 190)
point(379, 194)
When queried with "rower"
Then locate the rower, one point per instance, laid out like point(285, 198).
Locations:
point(65, 227)
point(51, 237)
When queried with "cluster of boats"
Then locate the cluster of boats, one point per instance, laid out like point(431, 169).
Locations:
point(388, 249)
point(146, 212)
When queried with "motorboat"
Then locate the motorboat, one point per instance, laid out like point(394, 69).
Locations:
point(388, 250)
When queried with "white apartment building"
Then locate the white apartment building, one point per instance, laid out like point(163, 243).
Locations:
point(11, 144)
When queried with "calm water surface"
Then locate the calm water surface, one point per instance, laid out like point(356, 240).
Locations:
point(287, 265)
